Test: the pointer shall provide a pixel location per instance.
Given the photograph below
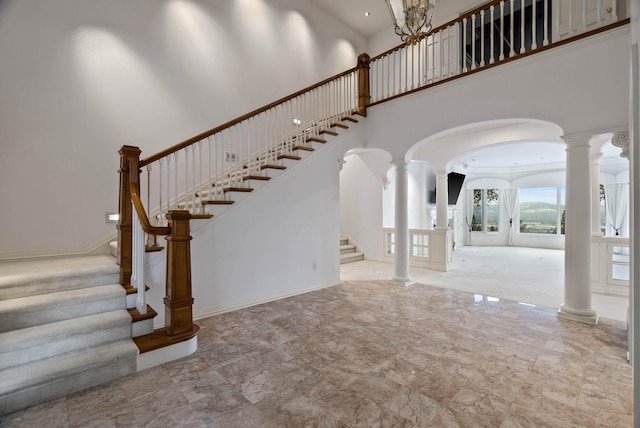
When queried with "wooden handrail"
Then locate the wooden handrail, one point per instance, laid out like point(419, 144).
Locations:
point(237, 120)
point(142, 215)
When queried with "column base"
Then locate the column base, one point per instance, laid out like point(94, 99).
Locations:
point(405, 282)
point(585, 319)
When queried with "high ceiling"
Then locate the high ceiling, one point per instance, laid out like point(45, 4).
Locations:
point(352, 13)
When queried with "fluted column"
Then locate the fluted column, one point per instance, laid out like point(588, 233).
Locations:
point(577, 258)
point(595, 195)
point(402, 225)
point(442, 200)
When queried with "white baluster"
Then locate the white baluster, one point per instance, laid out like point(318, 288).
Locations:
point(149, 189)
point(168, 187)
point(406, 68)
point(175, 158)
point(522, 21)
point(614, 11)
point(441, 54)
point(473, 42)
point(187, 198)
point(482, 64)
point(160, 189)
point(492, 55)
point(545, 42)
point(534, 24)
point(209, 174)
point(201, 180)
point(584, 16)
point(137, 277)
point(512, 51)
point(464, 45)
point(413, 66)
point(501, 57)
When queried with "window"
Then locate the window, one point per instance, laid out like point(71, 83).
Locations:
point(542, 210)
point(492, 210)
point(486, 210)
point(476, 220)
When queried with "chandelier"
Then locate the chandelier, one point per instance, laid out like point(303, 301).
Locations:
point(412, 18)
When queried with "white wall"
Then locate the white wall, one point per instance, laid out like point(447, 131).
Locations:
point(361, 205)
point(265, 246)
point(80, 79)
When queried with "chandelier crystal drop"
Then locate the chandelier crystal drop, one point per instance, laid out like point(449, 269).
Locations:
point(411, 18)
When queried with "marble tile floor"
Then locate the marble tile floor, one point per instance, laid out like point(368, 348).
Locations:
point(372, 354)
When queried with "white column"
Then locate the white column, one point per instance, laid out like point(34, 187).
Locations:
point(595, 195)
point(442, 200)
point(577, 258)
point(402, 225)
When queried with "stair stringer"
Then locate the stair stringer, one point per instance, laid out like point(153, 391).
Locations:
point(238, 259)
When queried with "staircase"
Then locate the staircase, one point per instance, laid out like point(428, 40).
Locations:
point(65, 327)
point(348, 252)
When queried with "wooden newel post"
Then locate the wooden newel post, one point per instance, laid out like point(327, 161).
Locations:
point(129, 155)
point(364, 95)
point(178, 316)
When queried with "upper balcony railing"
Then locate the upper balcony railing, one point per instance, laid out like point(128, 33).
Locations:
point(497, 32)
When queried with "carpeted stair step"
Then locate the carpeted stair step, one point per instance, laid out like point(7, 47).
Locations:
point(55, 377)
point(33, 277)
point(344, 241)
point(347, 248)
point(31, 311)
point(26, 345)
point(351, 257)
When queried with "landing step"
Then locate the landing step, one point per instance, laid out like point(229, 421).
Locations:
point(55, 377)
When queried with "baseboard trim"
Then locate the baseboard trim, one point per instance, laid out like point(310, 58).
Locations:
point(200, 313)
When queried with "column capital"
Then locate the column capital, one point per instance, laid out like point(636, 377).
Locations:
point(577, 140)
point(621, 139)
point(441, 172)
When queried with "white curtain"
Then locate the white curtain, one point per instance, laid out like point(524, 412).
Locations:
point(617, 201)
point(510, 202)
point(468, 218)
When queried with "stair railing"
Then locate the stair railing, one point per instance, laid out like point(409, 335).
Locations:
point(200, 171)
point(496, 32)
